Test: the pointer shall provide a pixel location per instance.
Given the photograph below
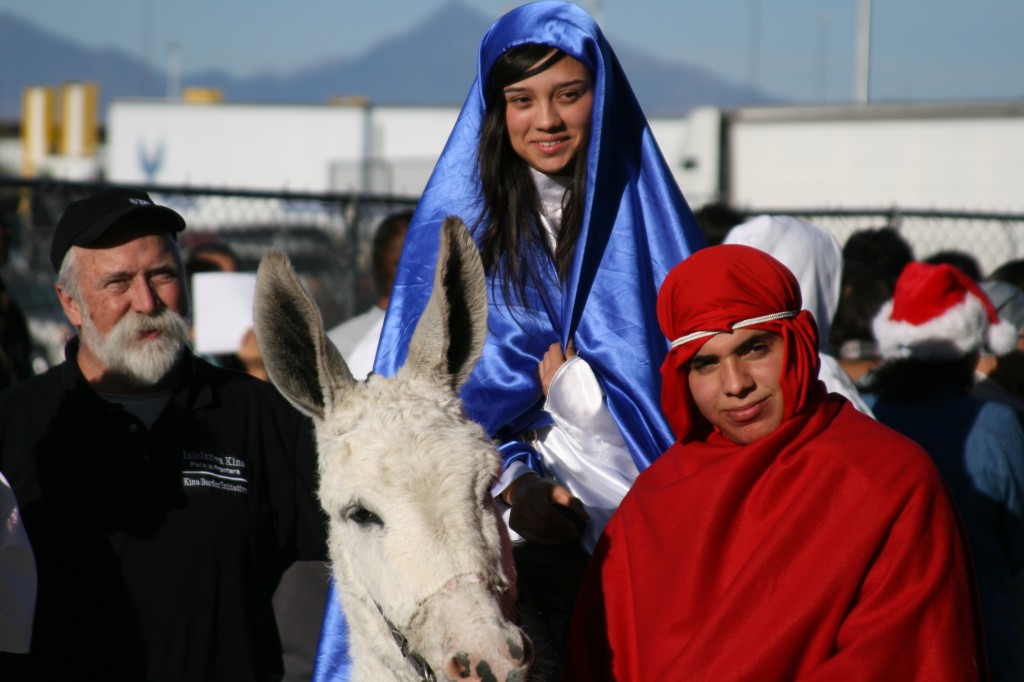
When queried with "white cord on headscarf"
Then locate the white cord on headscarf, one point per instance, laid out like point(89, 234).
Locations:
point(738, 325)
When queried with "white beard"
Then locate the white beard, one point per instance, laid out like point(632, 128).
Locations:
point(133, 360)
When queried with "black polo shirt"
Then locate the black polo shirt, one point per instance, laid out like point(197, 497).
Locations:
point(158, 550)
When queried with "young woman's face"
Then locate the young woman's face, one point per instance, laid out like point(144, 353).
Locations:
point(548, 115)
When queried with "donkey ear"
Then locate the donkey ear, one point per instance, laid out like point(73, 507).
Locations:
point(300, 361)
point(450, 334)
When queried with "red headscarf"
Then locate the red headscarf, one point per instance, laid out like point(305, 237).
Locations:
point(727, 287)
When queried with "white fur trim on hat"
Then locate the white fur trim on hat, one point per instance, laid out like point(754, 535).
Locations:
point(1002, 337)
point(959, 330)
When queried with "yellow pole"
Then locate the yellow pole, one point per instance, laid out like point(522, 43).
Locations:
point(36, 127)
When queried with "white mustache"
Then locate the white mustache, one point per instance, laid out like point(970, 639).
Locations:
point(167, 322)
point(139, 361)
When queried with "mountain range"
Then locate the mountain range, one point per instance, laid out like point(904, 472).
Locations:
point(433, 63)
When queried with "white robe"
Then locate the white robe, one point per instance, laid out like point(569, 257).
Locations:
point(583, 449)
point(356, 339)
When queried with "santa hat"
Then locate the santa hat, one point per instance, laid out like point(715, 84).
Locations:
point(939, 313)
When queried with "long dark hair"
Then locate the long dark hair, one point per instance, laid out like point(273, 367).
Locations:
point(511, 206)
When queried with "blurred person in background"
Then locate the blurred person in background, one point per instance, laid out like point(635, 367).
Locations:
point(880, 251)
point(961, 260)
point(1001, 377)
point(217, 256)
point(716, 219)
point(872, 260)
point(357, 337)
point(851, 338)
point(931, 334)
point(18, 582)
point(211, 256)
point(15, 341)
point(1011, 272)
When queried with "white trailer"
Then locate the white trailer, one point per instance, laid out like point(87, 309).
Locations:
point(355, 147)
point(962, 157)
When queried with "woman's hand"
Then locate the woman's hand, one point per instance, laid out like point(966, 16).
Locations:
point(552, 360)
point(543, 511)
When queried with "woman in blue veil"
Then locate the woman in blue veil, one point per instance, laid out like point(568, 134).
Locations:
point(594, 299)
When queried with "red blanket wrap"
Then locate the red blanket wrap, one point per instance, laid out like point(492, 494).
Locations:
point(828, 550)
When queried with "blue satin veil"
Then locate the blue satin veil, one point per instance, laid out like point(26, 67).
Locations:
point(636, 227)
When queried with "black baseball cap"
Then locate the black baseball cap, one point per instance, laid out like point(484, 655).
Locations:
point(86, 220)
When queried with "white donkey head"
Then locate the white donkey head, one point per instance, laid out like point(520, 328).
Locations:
point(419, 554)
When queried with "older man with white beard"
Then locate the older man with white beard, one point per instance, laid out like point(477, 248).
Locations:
point(163, 496)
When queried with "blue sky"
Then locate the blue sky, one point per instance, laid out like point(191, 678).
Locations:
point(798, 49)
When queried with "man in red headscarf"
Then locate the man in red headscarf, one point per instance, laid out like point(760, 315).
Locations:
point(785, 536)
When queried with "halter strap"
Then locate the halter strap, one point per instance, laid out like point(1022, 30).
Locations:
point(419, 664)
point(733, 327)
point(415, 659)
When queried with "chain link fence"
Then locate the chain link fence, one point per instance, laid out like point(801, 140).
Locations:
point(991, 239)
point(329, 237)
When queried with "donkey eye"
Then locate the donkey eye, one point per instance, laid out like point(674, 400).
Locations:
point(362, 516)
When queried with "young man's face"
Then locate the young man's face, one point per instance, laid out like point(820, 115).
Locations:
point(735, 383)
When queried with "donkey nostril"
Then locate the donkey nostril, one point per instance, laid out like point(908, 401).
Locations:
point(459, 665)
point(484, 672)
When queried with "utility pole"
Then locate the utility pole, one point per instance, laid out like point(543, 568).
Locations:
point(862, 86)
point(173, 70)
point(823, 56)
point(755, 49)
point(147, 47)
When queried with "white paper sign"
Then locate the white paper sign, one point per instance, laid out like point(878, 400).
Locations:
point(222, 303)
